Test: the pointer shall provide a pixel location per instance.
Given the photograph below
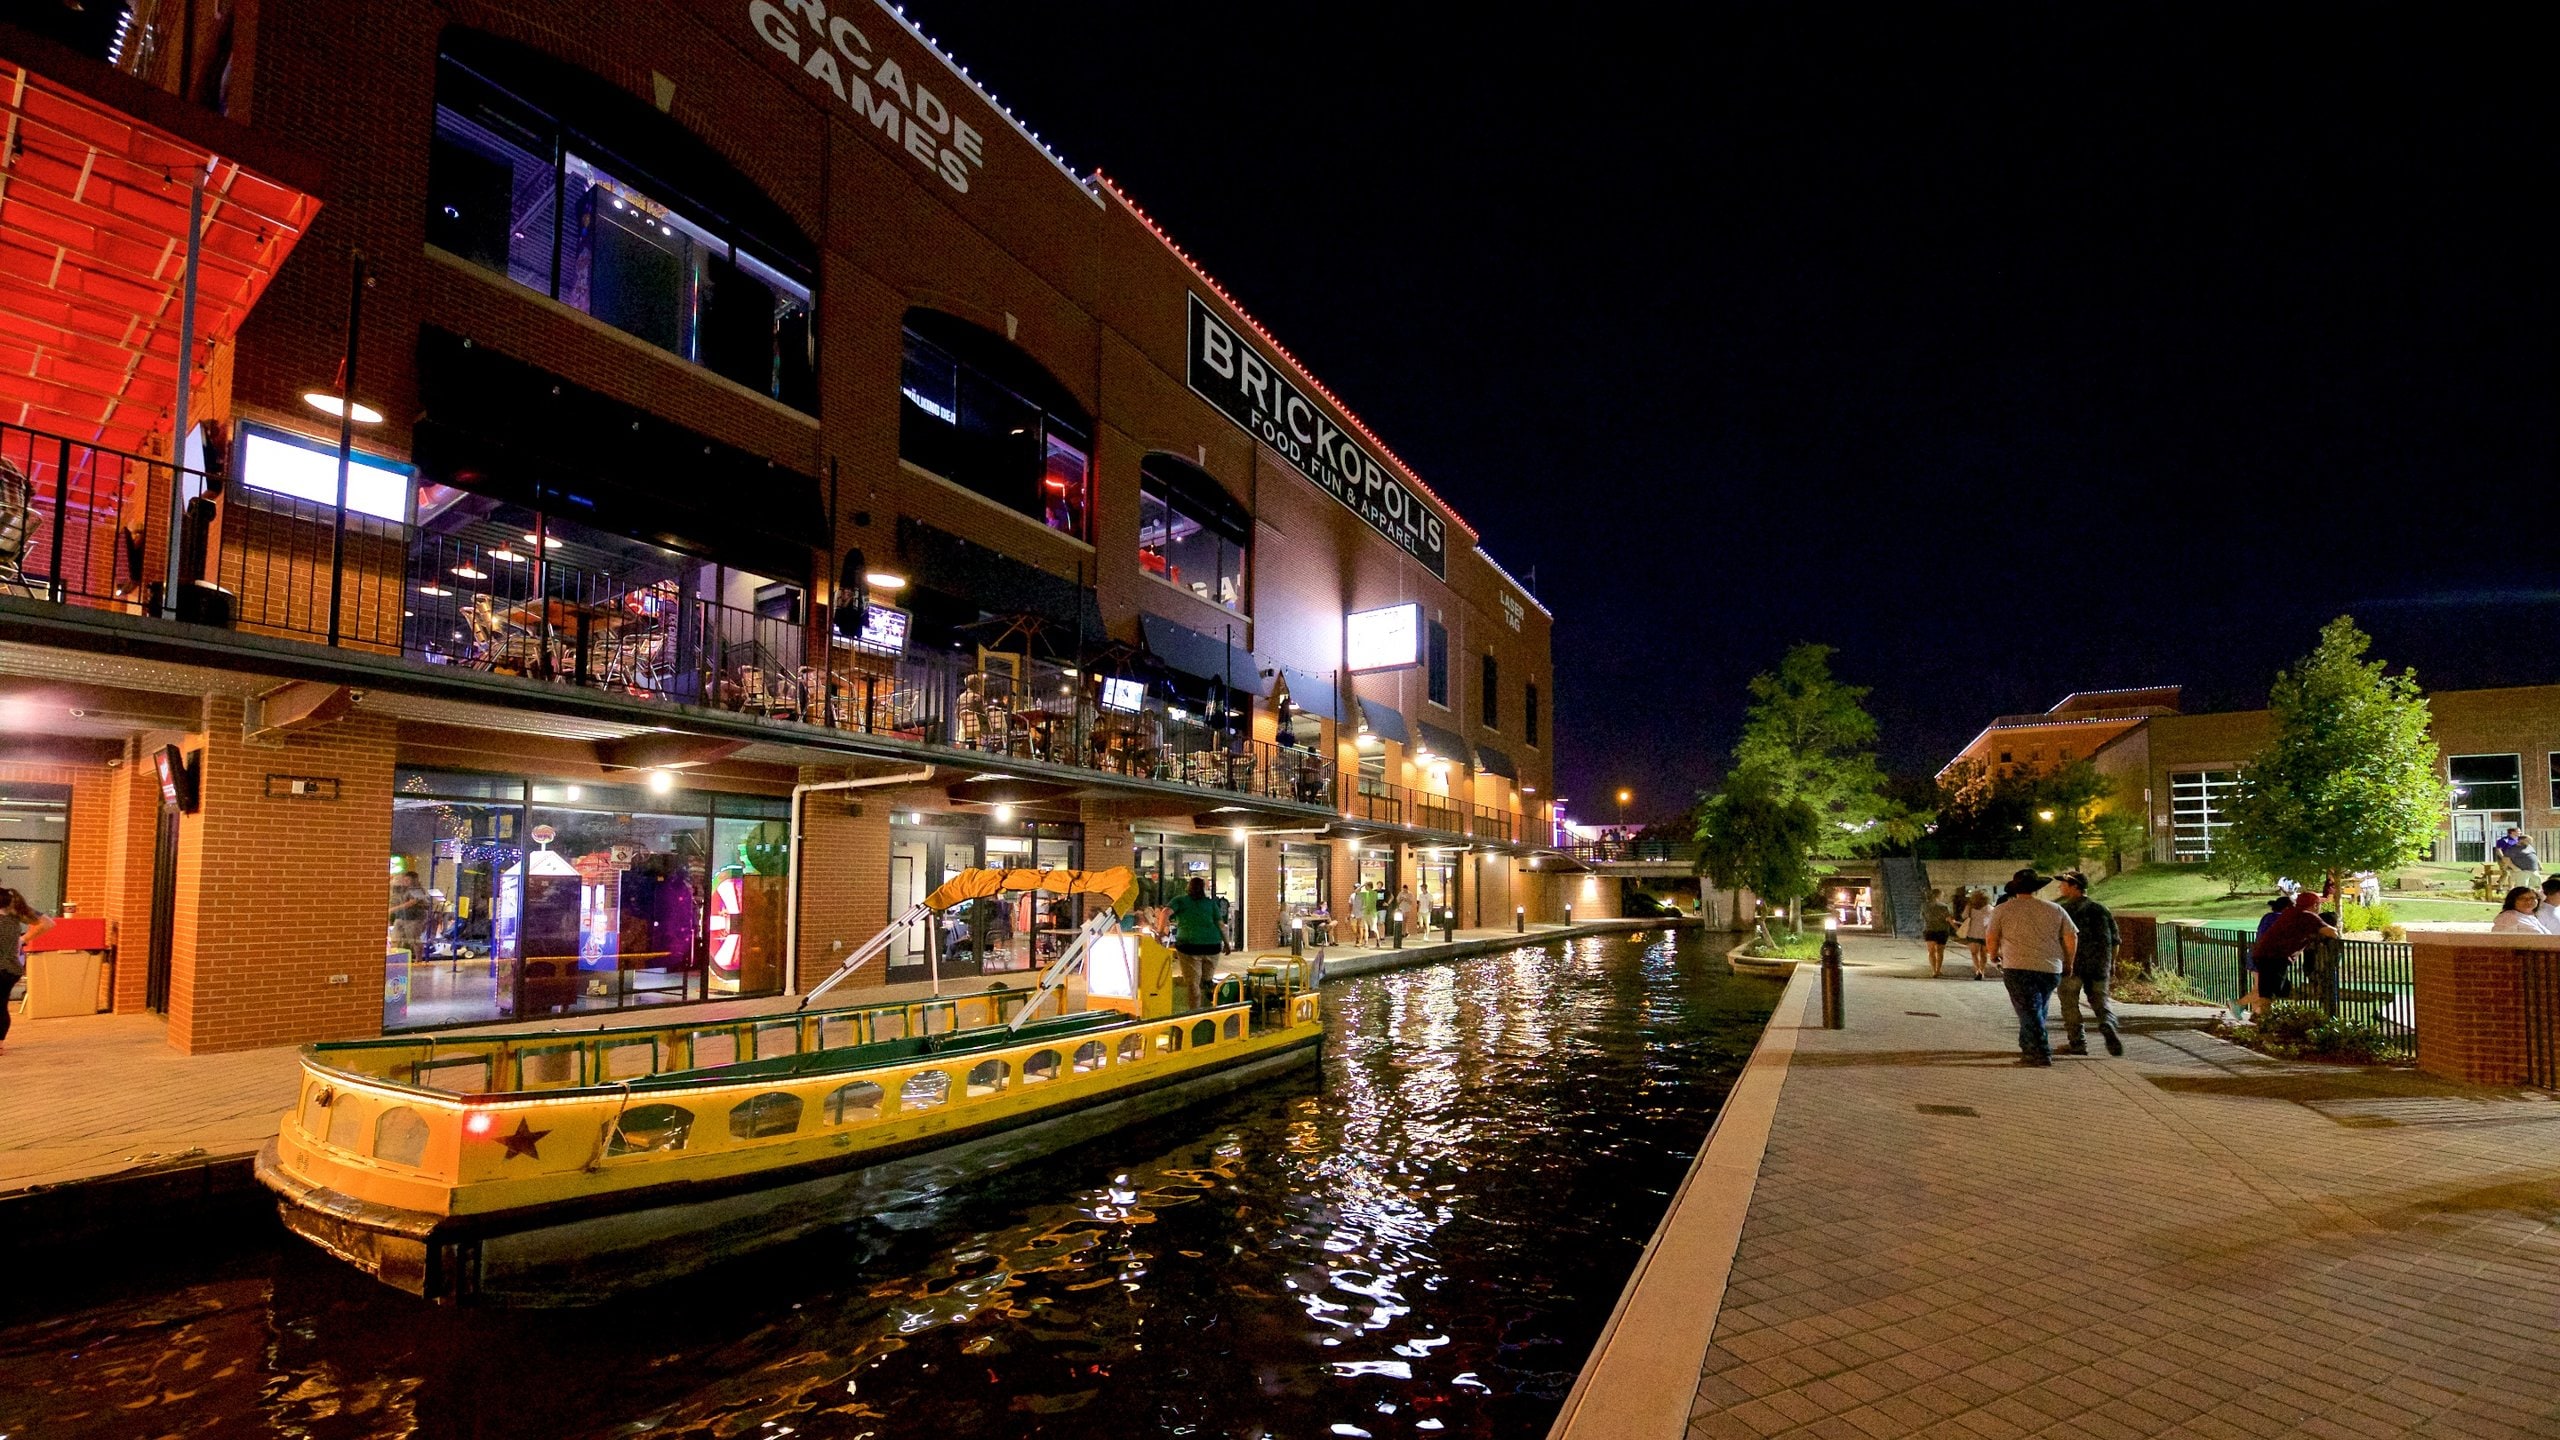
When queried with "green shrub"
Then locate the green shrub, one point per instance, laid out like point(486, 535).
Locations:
point(2145, 985)
point(2356, 915)
point(2291, 1022)
point(2358, 1042)
point(1788, 945)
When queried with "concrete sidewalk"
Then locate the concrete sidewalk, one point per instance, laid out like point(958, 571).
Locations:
point(96, 1096)
point(2192, 1240)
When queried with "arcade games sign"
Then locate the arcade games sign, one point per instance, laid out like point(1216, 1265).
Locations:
point(1254, 392)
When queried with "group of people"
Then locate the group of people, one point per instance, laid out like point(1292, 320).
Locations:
point(1968, 919)
point(20, 922)
point(1374, 914)
point(2529, 911)
point(2042, 948)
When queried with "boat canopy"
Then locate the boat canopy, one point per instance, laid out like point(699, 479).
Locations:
point(1117, 885)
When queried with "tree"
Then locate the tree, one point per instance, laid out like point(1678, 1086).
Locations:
point(1808, 737)
point(2351, 780)
point(2060, 801)
point(1751, 838)
point(2117, 832)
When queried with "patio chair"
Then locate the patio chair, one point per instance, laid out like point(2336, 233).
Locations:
point(17, 527)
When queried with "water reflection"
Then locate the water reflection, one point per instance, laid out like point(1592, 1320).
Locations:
point(1425, 1247)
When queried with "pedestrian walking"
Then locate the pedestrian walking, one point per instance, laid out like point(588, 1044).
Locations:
point(2521, 914)
point(2271, 958)
point(1977, 931)
point(2517, 864)
point(1199, 937)
point(1405, 911)
point(1372, 901)
point(20, 922)
point(2092, 966)
point(2034, 942)
point(1937, 927)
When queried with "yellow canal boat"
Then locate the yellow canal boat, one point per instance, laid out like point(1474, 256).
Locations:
point(554, 1166)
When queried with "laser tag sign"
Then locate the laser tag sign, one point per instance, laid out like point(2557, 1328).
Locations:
point(1257, 394)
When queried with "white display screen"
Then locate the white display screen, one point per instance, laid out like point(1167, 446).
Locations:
point(884, 630)
point(1384, 639)
point(374, 486)
point(1126, 696)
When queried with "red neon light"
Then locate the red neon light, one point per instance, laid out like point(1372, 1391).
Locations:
point(1295, 363)
point(480, 1122)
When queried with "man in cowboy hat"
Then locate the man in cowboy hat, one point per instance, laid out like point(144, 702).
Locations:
point(2034, 941)
point(2092, 966)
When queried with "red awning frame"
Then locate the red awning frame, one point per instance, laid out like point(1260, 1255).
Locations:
point(93, 225)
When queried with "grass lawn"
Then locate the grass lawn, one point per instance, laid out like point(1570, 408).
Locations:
point(2186, 892)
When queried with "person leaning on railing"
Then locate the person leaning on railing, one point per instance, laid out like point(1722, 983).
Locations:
point(2286, 936)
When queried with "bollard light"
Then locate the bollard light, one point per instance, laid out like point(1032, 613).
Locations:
point(1449, 924)
point(1568, 912)
point(1833, 1007)
point(1520, 919)
point(1297, 935)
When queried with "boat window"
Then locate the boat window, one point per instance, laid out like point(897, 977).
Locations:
point(346, 1123)
point(459, 1075)
point(857, 1101)
point(1204, 1033)
point(891, 1025)
point(988, 1077)
point(1133, 1048)
point(1235, 1026)
point(1089, 1056)
point(767, 1115)
point(557, 1065)
point(835, 1032)
point(714, 1047)
point(315, 1111)
point(924, 1090)
point(1043, 1066)
point(1170, 1039)
point(400, 1136)
point(644, 1129)
point(626, 1059)
point(773, 1040)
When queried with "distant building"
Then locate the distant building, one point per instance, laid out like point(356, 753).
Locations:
point(2179, 771)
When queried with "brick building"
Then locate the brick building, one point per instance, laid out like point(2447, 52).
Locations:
point(2501, 751)
point(741, 401)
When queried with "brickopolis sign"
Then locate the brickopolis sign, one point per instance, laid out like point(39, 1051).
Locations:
point(1254, 392)
point(835, 52)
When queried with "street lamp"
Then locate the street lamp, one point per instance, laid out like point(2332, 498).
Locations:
point(2045, 815)
point(1624, 797)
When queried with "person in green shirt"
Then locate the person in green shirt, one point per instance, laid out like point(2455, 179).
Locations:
point(1199, 935)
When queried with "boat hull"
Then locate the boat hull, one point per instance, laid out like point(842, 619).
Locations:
point(571, 1255)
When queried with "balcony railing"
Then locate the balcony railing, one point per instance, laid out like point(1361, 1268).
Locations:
point(86, 526)
point(1634, 850)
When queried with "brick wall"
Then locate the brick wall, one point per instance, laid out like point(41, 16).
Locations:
point(844, 876)
point(277, 898)
point(2471, 1021)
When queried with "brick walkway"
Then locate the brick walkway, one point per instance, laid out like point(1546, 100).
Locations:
point(2191, 1241)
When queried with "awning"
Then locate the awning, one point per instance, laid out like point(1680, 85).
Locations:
point(1385, 721)
point(1208, 657)
point(93, 255)
point(1312, 693)
point(1495, 762)
point(1447, 744)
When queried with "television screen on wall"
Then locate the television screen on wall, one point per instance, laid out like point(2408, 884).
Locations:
point(1385, 638)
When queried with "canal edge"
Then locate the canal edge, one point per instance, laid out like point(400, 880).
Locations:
point(1642, 1375)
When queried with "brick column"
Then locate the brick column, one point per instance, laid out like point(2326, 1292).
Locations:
point(2470, 1004)
point(844, 875)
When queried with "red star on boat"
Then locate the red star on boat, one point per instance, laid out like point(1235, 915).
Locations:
point(527, 1141)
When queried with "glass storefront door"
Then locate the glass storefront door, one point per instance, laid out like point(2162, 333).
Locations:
point(1306, 888)
point(1168, 863)
point(1438, 874)
point(1000, 935)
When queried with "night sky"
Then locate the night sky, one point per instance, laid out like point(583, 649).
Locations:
point(2010, 350)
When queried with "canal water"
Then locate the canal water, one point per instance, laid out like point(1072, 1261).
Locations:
point(1424, 1243)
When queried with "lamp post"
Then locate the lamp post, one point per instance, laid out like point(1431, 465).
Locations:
point(1625, 798)
point(1833, 1012)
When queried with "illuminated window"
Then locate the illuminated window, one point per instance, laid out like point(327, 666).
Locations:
point(984, 416)
point(520, 181)
point(1191, 533)
point(924, 1090)
point(2199, 810)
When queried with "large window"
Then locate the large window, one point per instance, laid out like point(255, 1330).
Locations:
point(1491, 718)
point(513, 899)
point(1529, 714)
point(2199, 810)
point(978, 413)
point(2555, 780)
point(1191, 533)
point(1439, 658)
point(2493, 783)
point(516, 189)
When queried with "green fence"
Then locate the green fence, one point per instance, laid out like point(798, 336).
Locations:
point(2362, 980)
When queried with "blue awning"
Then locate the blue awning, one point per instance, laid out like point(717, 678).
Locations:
point(1385, 721)
point(1312, 693)
point(1495, 762)
point(1447, 744)
point(1209, 657)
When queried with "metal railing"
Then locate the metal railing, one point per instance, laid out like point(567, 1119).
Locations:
point(1655, 850)
point(1491, 824)
point(2371, 981)
point(88, 526)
